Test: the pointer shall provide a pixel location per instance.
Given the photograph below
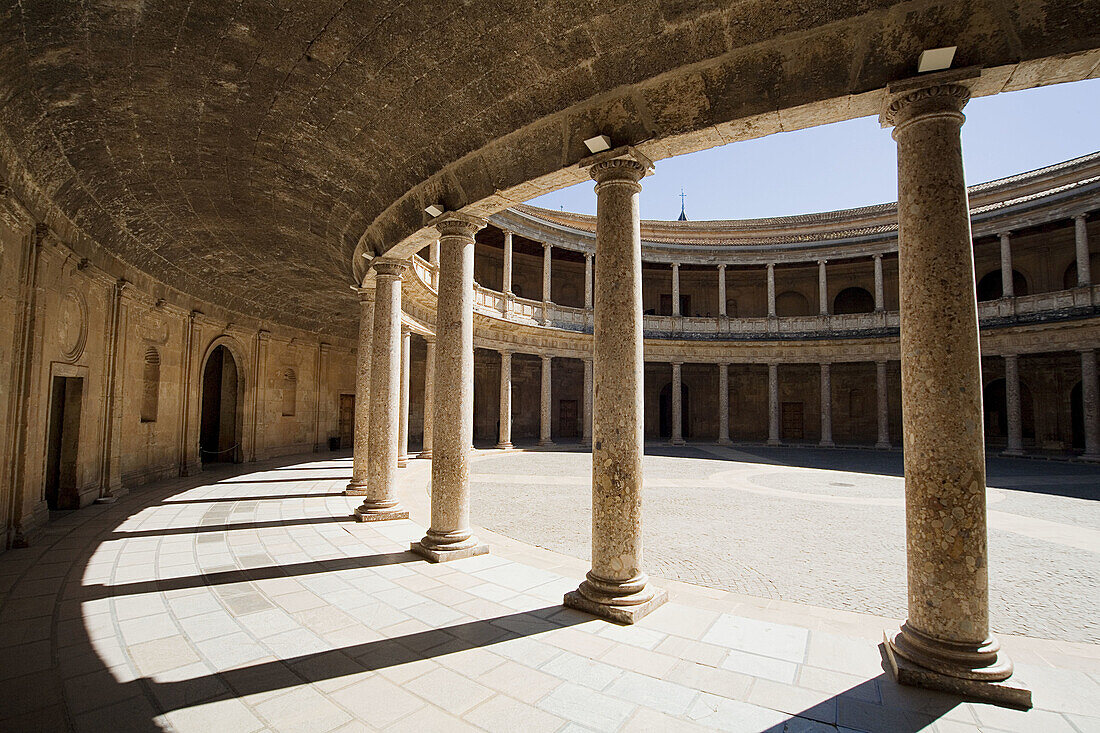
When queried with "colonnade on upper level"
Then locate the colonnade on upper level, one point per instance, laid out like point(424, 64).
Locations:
point(946, 642)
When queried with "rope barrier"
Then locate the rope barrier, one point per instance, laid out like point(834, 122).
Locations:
point(235, 446)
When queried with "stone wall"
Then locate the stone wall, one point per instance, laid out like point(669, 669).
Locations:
point(73, 334)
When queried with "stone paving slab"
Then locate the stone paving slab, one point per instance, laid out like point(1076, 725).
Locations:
point(199, 605)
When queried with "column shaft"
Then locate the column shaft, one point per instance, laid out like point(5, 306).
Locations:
point(723, 404)
point(506, 281)
point(1006, 266)
point(1081, 243)
point(675, 289)
point(380, 494)
point(1015, 445)
point(429, 395)
point(771, 290)
point(722, 290)
point(1090, 396)
point(946, 638)
point(880, 301)
point(586, 417)
point(403, 421)
point(433, 258)
point(361, 429)
point(677, 405)
point(504, 440)
point(826, 406)
point(545, 402)
point(822, 289)
point(773, 404)
point(449, 536)
point(883, 404)
point(616, 587)
point(588, 281)
point(546, 266)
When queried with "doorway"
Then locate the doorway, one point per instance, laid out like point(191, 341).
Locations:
point(793, 424)
point(568, 418)
point(66, 397)
point(665, 421)
point(218, 441)
point(347, 420)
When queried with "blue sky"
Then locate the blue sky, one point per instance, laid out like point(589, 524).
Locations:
point(854, 163)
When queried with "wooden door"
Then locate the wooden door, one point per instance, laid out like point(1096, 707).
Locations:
point(568, 418)
point(791, 421)
point(347, 420)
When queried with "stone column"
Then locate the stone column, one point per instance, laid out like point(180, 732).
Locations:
point(358, 485)
point(1090, 397)
point(380, 494)
point(1006, 266)
point(676, 289)
point(616, 587)
point(822, 289)
point(1081, 242)
point(403, 421)
point(547, 251)
point(1015, 445)
point(826, 406)
point(450, 537)
point(433, 258)
point(771, 290)
point(588, 280)
point(880, 300)
point(722, 290)
point(883, 404)
point(504, 441)
point(506, 284)
point(429, 395)
point(545, 402)
point(773, 404)
point(586, 416)
point(724, 404)
point(945, 643)
point(677, 405)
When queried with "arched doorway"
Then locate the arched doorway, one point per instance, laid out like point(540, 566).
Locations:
point(665, 426)
point(853, 300)
point(989, 287)
point(219, 440)
point(790, 303)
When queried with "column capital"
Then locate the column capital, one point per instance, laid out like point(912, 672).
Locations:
point(458, 224)
point(1003, 235)
point(676, 363)
point(429, 338)
point(1010, 357)
point(1081, 217)
point(628, 168)
point(505, 352)
point(722, 266)
point(546, 357)
point(877, 256)
point(675, 265)
point(822, 261)
point(589, 255)
point(771, 266)
point(1084, 352)
point(389, 268)
point(933, 95)
point(405, 331)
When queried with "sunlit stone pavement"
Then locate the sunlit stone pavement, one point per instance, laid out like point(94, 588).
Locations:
point(246, 599)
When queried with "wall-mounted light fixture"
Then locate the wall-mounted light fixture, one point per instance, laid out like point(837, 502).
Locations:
point(936, 59)
point(434, 210)
point(598, 144)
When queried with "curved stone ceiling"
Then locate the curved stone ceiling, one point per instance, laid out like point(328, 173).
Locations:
point(241, 151)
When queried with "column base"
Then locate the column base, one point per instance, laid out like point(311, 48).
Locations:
point(677, 441)
point(882, 446)
point(619, 614)
point(380, 515)
point(1090, 457)
point(403, 462)
point(356, 488)
point(826, 444)
point(998, 692)
point(1012, 453)
point(546, 443)
point(723, 441)
point(425, 454)
point(505, 446)
point(444, 555)
point(772, 442)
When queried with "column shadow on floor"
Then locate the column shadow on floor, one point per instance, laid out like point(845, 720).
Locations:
point(124, 534)
point(268, 497)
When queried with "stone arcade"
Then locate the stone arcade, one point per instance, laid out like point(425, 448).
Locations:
point(239, 236)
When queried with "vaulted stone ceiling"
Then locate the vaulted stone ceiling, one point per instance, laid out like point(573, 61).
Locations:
point(240, 151)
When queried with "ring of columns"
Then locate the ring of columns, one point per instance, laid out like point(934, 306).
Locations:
point(929, 238)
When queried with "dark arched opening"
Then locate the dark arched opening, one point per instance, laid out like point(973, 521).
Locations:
point(989, 287)
point(791, 303)
point(665, 422)
point(1069, 277)
point(218, 426)
point(853, 300)
point(1077, 417)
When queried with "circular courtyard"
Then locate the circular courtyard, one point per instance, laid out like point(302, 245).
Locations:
point(819, 527)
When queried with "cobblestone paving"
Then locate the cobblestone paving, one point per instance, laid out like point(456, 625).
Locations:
point(758, 521)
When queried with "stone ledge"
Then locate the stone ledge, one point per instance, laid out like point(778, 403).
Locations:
point(448, 555)
point(1004, 693)
point(619, 614)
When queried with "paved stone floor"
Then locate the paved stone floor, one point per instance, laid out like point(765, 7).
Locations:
point(247, 600)
point(824, 527)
